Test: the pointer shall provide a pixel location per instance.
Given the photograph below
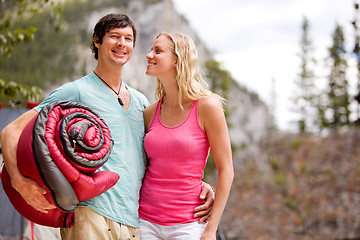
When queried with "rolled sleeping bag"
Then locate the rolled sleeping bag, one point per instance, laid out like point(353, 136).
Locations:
point(61, 148)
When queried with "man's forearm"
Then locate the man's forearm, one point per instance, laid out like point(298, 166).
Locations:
point(9, 138)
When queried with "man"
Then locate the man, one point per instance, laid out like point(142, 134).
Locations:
point(113, 214)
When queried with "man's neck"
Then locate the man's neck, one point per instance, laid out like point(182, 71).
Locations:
point(112, 75)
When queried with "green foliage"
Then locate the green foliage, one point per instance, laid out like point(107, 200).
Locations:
point(13, 89)
point(304, 84)
point(280, 180)
point(337, 98)
point(49, 59)
point(290, 202)
point(274, 165)
point(220, 80)
point(296, 143)
point(11, 36)
point(356, 51)
point(303, 168)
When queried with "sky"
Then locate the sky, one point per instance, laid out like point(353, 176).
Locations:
point(257, 41)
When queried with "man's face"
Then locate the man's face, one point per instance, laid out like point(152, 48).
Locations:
point(117, 46)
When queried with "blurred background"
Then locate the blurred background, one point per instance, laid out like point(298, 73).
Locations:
point(266, 35)
point(289, 70)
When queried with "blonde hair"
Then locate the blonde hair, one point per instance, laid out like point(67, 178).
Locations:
point(188, 78)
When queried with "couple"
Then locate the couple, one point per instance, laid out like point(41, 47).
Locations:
point(179, 130)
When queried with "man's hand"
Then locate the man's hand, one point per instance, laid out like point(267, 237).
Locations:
point(204, 211)
point(33, 194)
point(30, 190)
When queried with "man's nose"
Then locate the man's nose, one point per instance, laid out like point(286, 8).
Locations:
point(121, 41)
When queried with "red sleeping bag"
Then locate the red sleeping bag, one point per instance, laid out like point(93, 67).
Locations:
point(61, 149)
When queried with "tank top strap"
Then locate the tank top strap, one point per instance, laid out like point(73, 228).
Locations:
point(193, 114)
point(156, 117)
point(158, 108)
point(193, 117)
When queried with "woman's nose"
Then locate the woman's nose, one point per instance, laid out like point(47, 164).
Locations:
point(149, 55)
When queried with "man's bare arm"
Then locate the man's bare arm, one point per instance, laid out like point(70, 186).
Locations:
point(31, 191)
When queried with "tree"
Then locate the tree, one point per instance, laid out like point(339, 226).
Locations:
point(337, 106)
point(12, 89)
point(305, 83)
point(220, 80)
point(356, 51)
point(10, 37)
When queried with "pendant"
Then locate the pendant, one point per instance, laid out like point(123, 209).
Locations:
point(120, 101)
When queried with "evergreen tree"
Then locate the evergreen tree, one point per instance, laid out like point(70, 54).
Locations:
point(356, 51)
point(305, 83)
point(338, 100)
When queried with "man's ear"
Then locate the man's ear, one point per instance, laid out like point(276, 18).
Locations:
point(96, 41)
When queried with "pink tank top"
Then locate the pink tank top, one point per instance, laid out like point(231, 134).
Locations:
point(177, 158)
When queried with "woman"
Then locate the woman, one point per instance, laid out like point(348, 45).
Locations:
point(181, 127)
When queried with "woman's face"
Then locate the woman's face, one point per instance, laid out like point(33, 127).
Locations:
point(161, 61)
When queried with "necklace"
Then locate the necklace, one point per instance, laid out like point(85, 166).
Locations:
point(117, 93)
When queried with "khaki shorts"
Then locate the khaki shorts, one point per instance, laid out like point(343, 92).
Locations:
point(89, 225)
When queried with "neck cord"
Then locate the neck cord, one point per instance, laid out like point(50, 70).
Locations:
point(117, 93)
